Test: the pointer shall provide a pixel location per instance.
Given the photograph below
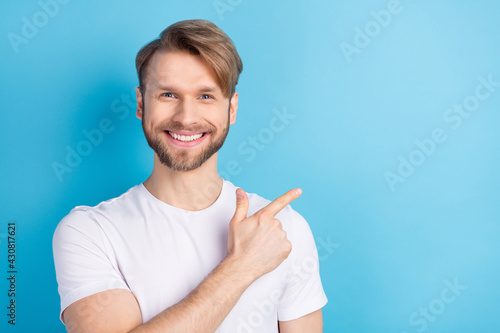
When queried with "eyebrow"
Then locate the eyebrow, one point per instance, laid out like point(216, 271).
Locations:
point(208, 88)
point(203, 88)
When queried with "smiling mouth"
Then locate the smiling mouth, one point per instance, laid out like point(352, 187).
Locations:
point(185, 138)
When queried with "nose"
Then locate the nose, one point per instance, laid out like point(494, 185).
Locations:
point(186, 113)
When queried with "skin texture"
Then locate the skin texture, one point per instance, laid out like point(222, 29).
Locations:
point(182, 94)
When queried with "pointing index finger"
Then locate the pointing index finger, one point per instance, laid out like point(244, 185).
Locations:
point(282, 201)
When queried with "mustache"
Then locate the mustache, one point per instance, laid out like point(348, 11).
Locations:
point(177, 126)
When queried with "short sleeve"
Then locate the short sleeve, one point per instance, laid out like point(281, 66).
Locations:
point(82, 261)
point(303, 293)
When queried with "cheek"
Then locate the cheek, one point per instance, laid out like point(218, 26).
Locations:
point(220, 125)
point(148, 124)
point(151, 118)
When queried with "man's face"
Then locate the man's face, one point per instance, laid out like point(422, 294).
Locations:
point(185, 115)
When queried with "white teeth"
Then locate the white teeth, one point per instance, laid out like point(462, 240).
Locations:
point(185, 138)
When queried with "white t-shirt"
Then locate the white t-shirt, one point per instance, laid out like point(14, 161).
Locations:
point(161, 253)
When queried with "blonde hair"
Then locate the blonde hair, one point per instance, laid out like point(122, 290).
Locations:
point(198, 37)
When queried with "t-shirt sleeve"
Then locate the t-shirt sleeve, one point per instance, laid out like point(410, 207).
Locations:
point(82, 261)
point(303, 293)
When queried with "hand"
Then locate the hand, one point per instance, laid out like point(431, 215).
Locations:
point(258, 242)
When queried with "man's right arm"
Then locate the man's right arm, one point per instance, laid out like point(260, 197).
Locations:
point(201, 311)
point(256, 246)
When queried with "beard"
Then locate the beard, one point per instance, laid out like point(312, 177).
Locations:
point(182, 160)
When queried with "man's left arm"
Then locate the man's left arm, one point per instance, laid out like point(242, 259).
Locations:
point(299, 309)
point(311, 323)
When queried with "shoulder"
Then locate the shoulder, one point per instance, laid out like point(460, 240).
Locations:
point(86, 220)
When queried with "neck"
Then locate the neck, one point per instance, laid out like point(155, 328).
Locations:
point(192, 190)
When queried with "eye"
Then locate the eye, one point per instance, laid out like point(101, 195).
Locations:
point(167, 94)
point(206, 96)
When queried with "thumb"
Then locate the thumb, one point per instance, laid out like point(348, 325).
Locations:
point(241, 205)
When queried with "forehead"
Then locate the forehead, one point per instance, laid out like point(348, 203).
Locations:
point(181, 70)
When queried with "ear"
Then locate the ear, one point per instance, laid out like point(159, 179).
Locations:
point(233, 107)
point(140, 104)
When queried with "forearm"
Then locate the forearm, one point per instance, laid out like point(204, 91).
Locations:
point(204, 309)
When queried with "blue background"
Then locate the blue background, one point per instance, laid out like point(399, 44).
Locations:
point(390, 251)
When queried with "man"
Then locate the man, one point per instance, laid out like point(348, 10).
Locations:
point(186, 251)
